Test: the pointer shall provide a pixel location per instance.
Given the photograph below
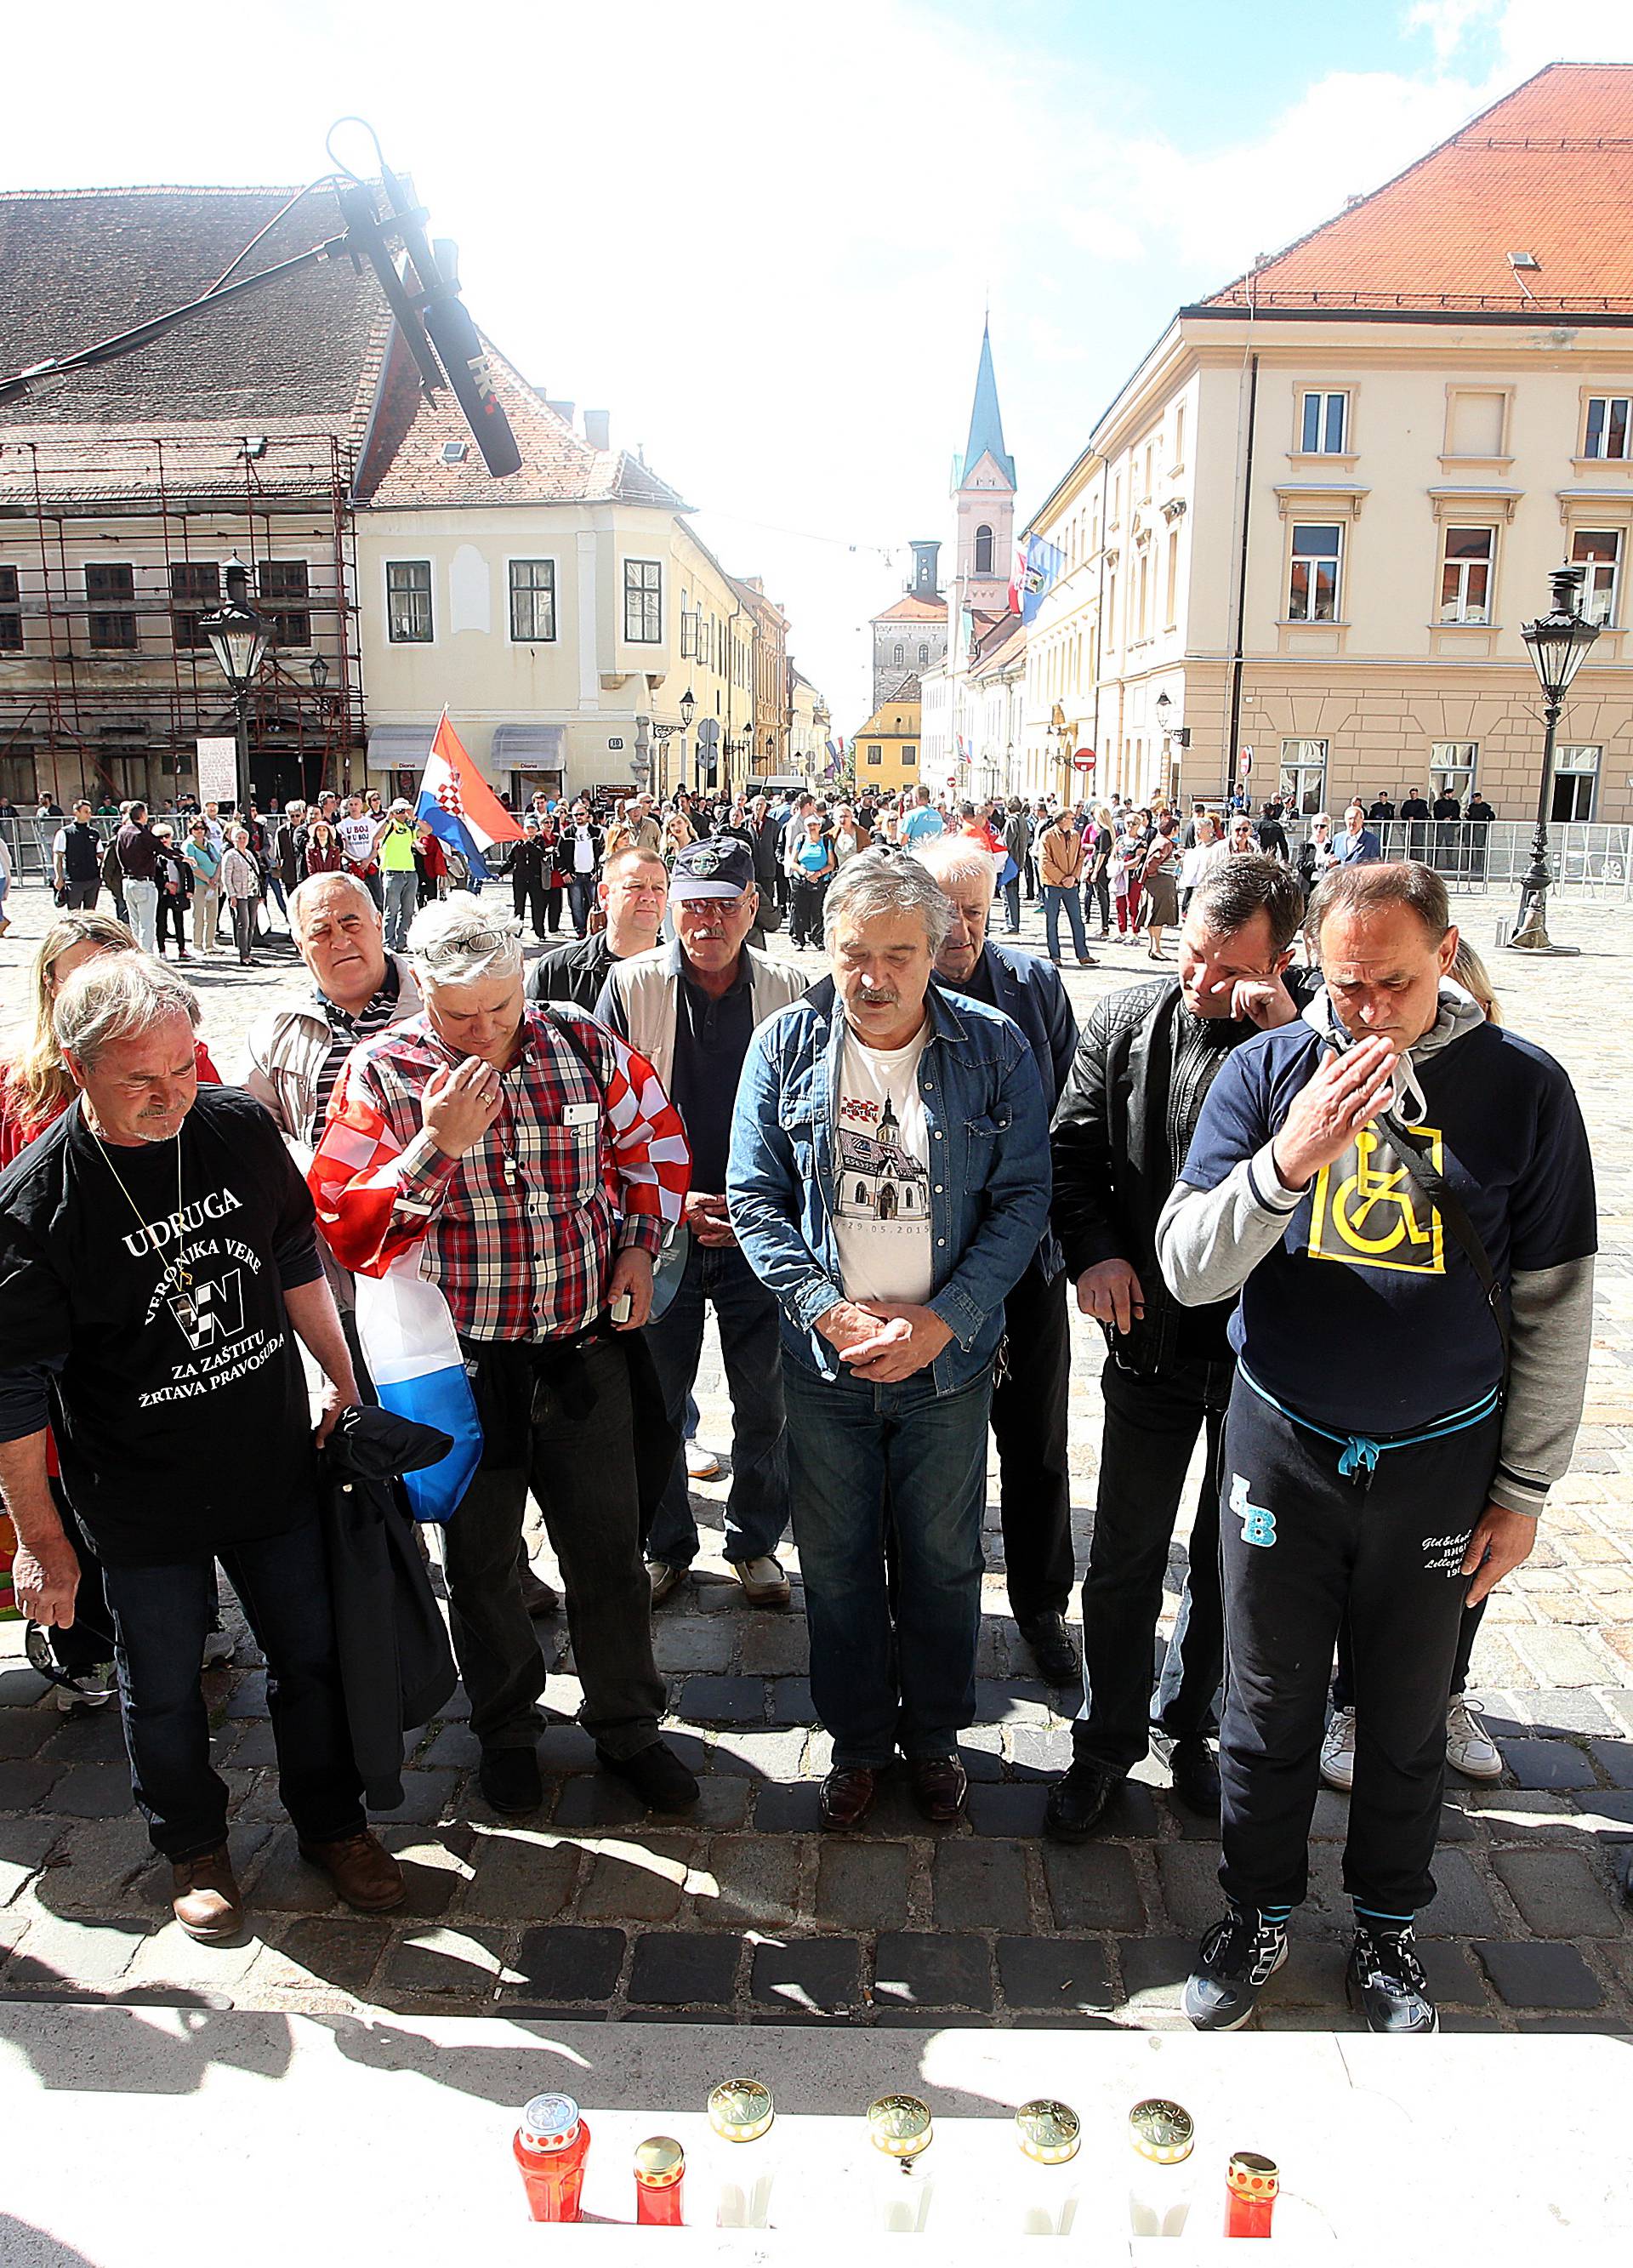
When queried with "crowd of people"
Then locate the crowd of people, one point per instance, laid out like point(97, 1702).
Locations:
point(1331, 1216)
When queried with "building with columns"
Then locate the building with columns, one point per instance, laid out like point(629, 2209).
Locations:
point(1319, 512)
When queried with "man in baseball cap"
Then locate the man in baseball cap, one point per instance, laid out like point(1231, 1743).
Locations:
point(690, 1008)
point(393, 847)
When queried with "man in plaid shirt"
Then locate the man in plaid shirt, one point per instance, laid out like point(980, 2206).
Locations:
point(540, 1162)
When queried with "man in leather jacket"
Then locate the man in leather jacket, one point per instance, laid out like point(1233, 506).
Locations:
point(1143, 1071)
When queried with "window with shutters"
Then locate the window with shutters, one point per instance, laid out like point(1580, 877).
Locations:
point(194, 591)
point(285, 586)
point(110, 595)
point(10, 612)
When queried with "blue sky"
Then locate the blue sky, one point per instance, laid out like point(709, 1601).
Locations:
point(761, 232)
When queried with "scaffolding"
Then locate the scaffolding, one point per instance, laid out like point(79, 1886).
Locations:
point(112, 546)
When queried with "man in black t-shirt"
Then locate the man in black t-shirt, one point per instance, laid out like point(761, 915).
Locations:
point(1401, 1194)
point(158, 1260)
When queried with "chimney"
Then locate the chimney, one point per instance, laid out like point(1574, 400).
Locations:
point(598, 429)
point(563, 411)
point(925, 584)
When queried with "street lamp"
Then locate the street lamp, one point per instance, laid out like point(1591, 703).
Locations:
point(688, 709)
point(318, 670)
point(1558, 642)
point(239, 638)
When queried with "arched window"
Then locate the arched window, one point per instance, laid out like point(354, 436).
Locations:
point(901, 652)
point(983, 549)
point(923, 653)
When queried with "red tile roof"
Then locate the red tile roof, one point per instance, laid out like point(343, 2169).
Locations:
point(1548, 171)
point(912, 609)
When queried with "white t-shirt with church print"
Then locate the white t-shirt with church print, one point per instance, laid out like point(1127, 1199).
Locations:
point(883, 1225)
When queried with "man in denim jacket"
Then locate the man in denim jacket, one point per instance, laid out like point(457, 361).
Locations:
point(888, 1183)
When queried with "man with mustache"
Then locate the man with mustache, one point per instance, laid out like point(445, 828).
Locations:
point(888, 1181)
point(691, 1009)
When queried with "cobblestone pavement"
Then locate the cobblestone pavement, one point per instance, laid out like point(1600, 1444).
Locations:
point(742, 1911)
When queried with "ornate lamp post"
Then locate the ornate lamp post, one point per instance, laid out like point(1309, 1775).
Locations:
point(239, 638)
point(1558, 644)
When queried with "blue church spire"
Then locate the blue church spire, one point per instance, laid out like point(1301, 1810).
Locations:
point(986, 426)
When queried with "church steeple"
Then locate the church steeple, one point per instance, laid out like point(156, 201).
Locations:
point(983, 490)
point(986, 424)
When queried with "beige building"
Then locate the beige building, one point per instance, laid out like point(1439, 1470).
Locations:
point(810, 728)
point(560, 614)
point(1318, 514)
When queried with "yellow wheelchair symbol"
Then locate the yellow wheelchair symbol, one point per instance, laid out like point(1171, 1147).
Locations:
point(1376, 1217)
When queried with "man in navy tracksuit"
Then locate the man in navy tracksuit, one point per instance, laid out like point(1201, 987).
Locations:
point(1381, 1458)
point(1030, 1390)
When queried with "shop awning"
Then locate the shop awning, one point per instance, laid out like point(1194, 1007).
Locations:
point(401, 747)
point(518, 747)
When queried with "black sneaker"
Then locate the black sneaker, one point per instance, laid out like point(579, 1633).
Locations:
point(657, 1774)
point(1078, 1801)
point(1385, 1984)
point(1234, 1962)
point(511, 1781)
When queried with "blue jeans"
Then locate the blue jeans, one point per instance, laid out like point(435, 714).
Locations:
point(161, 1616)
point(883, 1479)
point(581, 901)
point(756, 1508)
point(1054, 899)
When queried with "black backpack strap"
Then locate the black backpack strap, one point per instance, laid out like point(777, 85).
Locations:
point(1414, 1156)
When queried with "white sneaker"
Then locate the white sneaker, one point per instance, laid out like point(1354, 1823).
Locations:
point(1469, 1748)
point(702, 1464)
point(665, 1577)
point(217, 1649)
point(1338, 1751)
point(95, 1689)
point(764, 1583)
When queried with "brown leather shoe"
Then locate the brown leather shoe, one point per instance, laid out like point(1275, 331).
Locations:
point(362, 1870)
point(847, 1797)
point(940, 1785)
point(207, 1901)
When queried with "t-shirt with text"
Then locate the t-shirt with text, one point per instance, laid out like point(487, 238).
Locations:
point(179, 1399)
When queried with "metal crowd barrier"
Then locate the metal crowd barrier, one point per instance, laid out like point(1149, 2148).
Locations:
point(1591, 860)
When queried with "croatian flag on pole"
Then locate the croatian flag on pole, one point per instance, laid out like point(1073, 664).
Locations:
point(418, 1371)
point(457, 804)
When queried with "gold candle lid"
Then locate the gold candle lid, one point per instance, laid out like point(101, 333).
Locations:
point(740, 2110)
point(660, 2162)
point(1048, 2132)
point(1250, 2176)
point(1161, 2131)
point(899, 2125)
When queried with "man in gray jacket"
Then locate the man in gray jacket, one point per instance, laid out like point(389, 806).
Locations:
point(691, 1009)
point(1402, 1195)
